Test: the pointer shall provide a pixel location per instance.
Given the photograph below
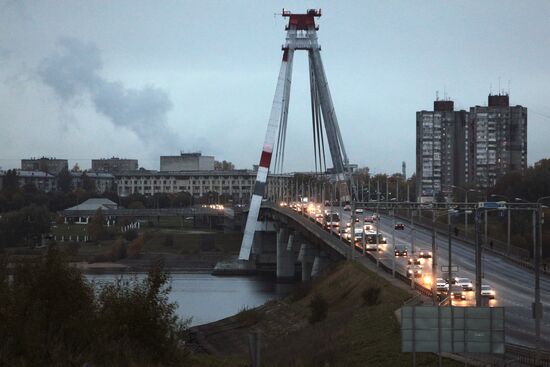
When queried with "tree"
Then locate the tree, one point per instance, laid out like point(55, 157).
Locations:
point(223, 166)
point(76, 168)
point(11, 182)
point(64, 180)
point(25, 226)
point(96, 228)
point(52, 316)
point(88, 183)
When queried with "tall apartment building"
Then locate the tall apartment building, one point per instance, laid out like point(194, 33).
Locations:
point(187, 162)
point(114, 165)
point(500, 140)
point(440, 149)
point(469, 149)
point(49, 165)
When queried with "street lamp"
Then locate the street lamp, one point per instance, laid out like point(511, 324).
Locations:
point(537, 255)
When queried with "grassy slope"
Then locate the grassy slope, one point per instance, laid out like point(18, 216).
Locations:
point(353, 334)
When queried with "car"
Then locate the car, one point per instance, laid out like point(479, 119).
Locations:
point(424, 254)
point(347, 207)
point(399, 226)
point(414, 269)
point(441, 285)
point(359, 211)
point(367, 227)
point(487, 291)
point(400, 250)
point(413, 261)
point(457, 292)
point(465, 283)
point(369, 219)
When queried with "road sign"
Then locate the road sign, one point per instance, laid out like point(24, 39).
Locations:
point(452, 329)
point(445, 268)
point(491, 205)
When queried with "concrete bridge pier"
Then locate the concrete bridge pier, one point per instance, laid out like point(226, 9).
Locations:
point(285, 257)
point(306, 257)
point(320, 264)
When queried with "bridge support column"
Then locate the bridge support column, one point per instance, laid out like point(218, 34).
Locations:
point(306, 257)
point(285, 258)
point(320, 264)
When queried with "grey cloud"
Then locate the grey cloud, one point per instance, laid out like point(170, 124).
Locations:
point(75, 71)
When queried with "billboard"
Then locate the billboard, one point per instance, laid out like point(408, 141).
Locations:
point(452, 329)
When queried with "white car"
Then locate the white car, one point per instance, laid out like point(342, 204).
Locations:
point(487, 291)
point(441, 285)
point(359, 211)
point(465, 283)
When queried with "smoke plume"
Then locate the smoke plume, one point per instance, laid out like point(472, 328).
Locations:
point(75, 72)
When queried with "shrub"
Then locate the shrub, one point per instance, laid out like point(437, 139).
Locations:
point(168, 240)
point(51, 316)
point(319, 308)
point(130, 235)
point(135, 247)
point(371, 295)
point(118, 250)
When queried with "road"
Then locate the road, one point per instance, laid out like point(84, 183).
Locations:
point(514, 285)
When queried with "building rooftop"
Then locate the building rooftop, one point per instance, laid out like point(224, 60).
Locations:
point(21, 173)
point(94, 204)
point(187, 173)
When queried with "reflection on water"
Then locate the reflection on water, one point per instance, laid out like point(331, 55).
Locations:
point(208, 298)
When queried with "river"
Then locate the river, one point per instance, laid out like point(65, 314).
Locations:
point(206, 298)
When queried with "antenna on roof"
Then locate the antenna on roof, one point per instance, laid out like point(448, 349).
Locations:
point(508, 86)
point(499, 90)
point(437, 95)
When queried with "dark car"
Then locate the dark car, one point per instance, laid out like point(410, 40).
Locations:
point(400, 250)
point(425, 254)
point(399, 226)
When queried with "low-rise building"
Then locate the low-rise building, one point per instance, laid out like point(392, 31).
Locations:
point(187, 162)
point(114, 165)
point(84, 212)
point(103, 181)
point(41, 180)
point(50, 165)
point(237, 184)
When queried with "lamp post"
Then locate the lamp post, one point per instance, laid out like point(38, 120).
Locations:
point(537, 255)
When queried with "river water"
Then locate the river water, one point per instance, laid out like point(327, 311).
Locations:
point(208, 298)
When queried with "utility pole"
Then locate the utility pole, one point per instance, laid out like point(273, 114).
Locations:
point(508, 242)
point(412, 245)
point(434, 259)
point(478, 255)
point(377, 224)
point(537, 306)
point(393, 244)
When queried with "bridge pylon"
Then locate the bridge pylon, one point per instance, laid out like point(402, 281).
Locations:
point(301, 35)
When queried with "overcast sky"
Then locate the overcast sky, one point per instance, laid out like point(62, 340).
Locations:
point(138, 79)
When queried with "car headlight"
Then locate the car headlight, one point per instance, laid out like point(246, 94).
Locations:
point(470, 285)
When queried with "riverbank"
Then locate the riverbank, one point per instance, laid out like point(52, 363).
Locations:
point(181, 250)
point(357, 330)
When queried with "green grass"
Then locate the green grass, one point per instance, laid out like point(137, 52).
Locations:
point(353, 334)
